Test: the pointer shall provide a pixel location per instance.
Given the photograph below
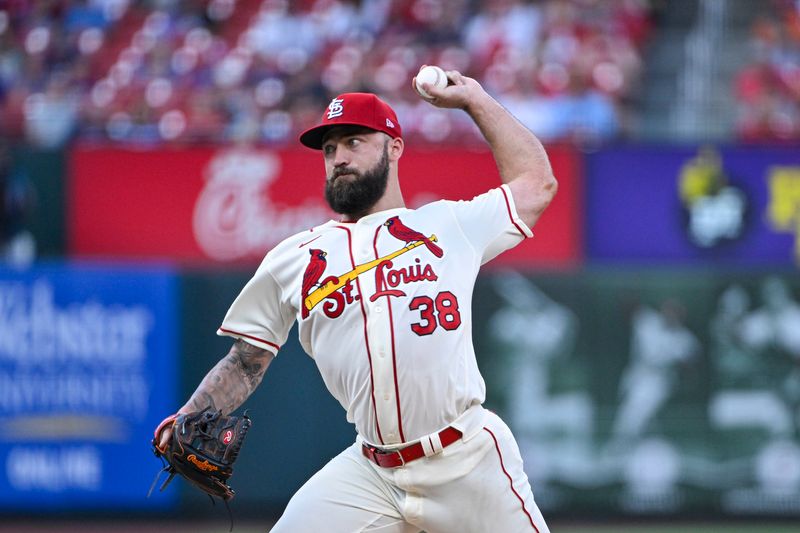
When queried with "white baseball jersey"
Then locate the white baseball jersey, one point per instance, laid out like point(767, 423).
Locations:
point(384, 307)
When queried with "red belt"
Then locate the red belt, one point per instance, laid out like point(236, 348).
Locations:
point(395, 458)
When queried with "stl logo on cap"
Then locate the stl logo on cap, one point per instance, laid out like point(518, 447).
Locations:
point(363, 109)
point(335, 108)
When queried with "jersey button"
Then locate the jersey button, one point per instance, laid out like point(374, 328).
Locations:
point(386, 396)
point(378, 309)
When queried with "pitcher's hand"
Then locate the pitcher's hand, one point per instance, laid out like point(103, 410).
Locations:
point(460, 92)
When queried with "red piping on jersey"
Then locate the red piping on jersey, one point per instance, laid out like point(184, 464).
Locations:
point(309, 242)
point(249, 337)
point(366, 337)
point(510, 215)
point(394, 355)
point(510, 481)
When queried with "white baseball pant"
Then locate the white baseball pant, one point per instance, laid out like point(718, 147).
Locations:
point(472, 486)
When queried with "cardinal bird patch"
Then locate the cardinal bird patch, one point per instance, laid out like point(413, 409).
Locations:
point(402, 232)
point(314, 270)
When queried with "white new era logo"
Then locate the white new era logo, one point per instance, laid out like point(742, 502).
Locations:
point(389, 123)
point(335, 108)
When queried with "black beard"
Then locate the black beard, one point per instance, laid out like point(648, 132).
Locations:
point(359, 194)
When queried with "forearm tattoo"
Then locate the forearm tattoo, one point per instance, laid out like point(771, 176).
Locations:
point(232, 380)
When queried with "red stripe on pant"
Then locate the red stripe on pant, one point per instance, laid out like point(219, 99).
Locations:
point(510, 481)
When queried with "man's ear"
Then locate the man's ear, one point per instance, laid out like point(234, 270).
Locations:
point(395, 148)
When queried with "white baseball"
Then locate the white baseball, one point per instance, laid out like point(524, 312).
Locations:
point(433, 75)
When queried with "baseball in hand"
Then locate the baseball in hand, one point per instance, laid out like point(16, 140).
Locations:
point(433, 75)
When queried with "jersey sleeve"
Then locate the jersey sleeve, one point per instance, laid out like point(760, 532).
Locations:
point(258, 315)
point(491, 223)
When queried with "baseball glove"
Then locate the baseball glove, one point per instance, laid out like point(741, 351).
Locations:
point(202, 450)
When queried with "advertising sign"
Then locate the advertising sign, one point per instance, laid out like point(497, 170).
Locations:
point(227, 205)
point(648, 393)
point(87, 370)
point(694, 205)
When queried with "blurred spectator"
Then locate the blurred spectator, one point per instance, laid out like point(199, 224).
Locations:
point(51, 116)
point(502, 25)
point(767, 88)
point(158, 71)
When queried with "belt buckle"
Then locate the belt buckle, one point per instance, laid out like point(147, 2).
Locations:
point(385, 453)
point(373, 452)
point(378, 452)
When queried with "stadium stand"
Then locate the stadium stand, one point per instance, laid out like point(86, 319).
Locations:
point(248, 70)
point(767, 87)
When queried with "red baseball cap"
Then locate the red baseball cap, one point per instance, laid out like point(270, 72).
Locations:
point(353, 109)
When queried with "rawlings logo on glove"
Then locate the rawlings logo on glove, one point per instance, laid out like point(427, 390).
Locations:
point(202, 465)
point(202, 450)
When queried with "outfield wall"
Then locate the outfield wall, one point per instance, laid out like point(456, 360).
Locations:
point(644, 347)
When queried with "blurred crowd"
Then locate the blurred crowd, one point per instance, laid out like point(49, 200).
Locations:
point(176, 71)
point(767, 88)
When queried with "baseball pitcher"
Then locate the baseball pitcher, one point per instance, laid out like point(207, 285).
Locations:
point(383, 300)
